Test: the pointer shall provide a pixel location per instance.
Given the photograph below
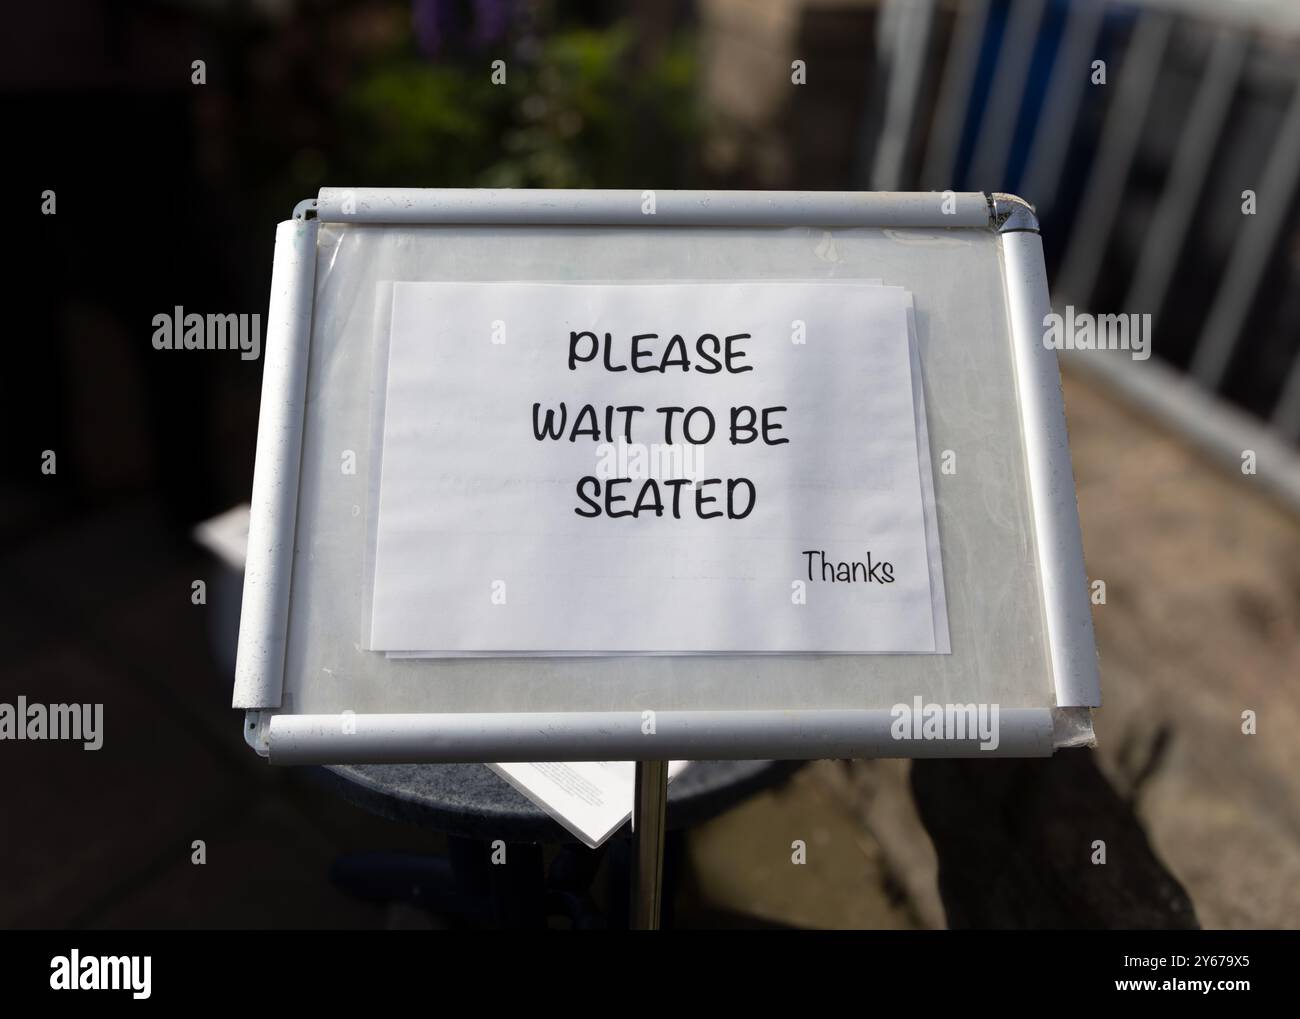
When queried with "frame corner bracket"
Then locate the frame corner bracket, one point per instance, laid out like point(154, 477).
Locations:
point(1008, 213)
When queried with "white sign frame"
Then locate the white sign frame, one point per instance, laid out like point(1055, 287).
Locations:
point(1060, 713)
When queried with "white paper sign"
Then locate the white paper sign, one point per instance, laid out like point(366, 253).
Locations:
point(676, 468)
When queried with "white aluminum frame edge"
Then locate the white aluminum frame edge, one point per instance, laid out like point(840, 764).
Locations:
point(542, 207)
point(290, 739)
point(268, 568)
point(620, 736)
point(1053, 502)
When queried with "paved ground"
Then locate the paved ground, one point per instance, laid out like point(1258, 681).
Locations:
point(1202, 621)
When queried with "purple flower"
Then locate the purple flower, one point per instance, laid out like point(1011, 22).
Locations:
point(443, 24)
point(491, 21)
point(434, 22)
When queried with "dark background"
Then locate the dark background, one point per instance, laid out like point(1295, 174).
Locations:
point(168, 193)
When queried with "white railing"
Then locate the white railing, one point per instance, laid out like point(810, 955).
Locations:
point(960, 123)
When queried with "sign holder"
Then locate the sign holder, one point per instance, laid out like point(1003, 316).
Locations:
point(974, 262)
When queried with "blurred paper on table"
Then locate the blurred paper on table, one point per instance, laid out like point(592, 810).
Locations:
point(591, 799)
point(226, 536)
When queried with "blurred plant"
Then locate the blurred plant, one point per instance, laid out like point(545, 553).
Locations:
point(591, 118)
point(581, 107)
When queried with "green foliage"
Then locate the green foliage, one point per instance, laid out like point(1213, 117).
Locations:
point(589, 111)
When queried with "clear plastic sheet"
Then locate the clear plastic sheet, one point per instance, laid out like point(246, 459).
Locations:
point(995, 605)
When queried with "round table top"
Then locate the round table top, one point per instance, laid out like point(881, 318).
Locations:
point(472, 801)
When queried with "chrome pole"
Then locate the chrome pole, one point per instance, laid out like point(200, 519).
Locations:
point(648, 814)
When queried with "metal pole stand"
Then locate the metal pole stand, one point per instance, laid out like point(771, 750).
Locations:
point(648, 814)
